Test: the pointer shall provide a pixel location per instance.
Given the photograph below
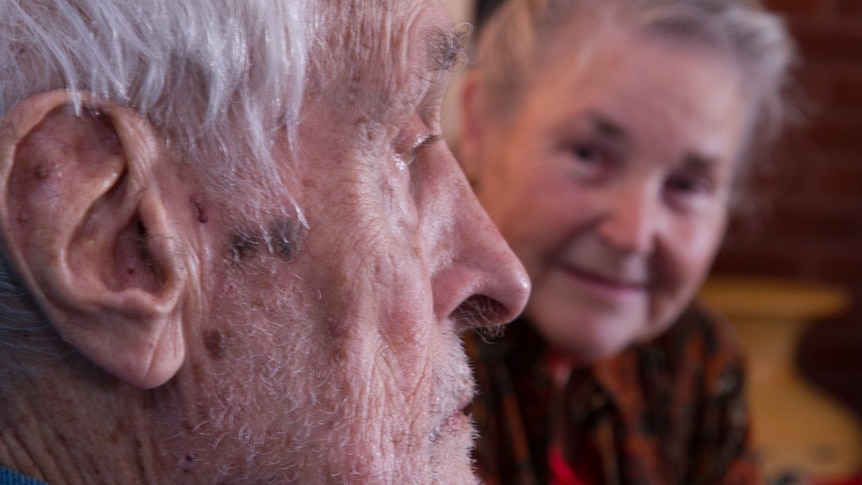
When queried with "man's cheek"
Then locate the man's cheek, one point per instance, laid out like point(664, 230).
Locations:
point(408, 332)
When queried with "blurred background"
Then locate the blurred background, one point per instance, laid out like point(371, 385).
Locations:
point(789, 275)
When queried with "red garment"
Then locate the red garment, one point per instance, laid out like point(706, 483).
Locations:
point(670, 411)
point(561, 472)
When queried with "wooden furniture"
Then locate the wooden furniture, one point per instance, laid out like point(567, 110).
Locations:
point(798, 430)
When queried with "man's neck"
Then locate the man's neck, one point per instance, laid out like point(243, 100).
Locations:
point(68, 437)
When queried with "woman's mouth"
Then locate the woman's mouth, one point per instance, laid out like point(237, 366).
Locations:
point(616, 286)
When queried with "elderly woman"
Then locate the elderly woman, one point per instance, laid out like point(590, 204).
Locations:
point(606, 139)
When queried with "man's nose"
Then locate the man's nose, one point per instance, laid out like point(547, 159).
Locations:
point(631, 218)
point(484, 283)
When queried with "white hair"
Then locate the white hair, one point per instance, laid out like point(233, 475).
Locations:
point(220, 79)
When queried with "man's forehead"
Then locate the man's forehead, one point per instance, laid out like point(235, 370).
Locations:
point(387, 57)
point(428, 25)
point(434, 49)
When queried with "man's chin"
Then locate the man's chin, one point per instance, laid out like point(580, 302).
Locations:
point(451, 462)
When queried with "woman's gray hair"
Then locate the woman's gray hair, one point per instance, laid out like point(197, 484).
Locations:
point(514, 44)
point(220, 79)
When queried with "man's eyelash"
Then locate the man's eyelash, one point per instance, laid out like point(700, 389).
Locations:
point(428, 141)
point(404, 160)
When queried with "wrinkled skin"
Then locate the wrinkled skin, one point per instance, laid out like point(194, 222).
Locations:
point(357, 336)
point(258, 346)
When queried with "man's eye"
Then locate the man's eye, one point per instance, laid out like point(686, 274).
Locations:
point(405, 157)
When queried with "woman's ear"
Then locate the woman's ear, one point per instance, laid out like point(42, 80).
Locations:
point(470, 138)
point(85, 224)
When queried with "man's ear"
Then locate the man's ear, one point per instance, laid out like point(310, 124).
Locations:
point(84, 222)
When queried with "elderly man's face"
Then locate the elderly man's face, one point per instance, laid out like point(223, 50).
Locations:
point(332, 353)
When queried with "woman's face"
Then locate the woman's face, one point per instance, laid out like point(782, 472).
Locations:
point(611, 183)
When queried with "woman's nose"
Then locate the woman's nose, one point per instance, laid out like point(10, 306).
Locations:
point(632, 218)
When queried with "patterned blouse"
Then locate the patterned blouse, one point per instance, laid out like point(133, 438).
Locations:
point(670, 411)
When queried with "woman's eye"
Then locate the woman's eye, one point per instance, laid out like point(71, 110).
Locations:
point(689, 184)
point(591, 161)
point(587, 153)
point(691, 193)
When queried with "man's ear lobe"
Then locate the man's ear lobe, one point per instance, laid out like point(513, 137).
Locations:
point(85, 224)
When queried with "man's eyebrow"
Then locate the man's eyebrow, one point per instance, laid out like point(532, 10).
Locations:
point(445, 49)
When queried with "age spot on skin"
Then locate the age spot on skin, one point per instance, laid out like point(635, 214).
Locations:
point(200, 211)
point(214, 341)
point(286, 237)
point(242, 245)
point(42, 171)
point(282, 238)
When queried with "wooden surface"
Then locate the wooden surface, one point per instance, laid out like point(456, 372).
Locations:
point(798, 430)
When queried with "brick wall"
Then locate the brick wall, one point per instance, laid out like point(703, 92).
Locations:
point(810, 220)
point(810, 225)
